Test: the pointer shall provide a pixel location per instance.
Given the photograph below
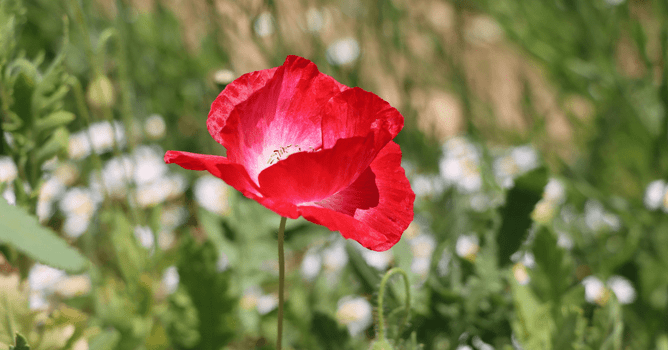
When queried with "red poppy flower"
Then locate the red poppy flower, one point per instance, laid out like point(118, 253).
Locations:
point(301, 143)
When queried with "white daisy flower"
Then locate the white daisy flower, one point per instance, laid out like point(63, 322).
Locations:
point(622, 288)
point(343, 51)
point(212, 194)
point(654, 194)
point(8, 170)
point(467, 246)
point(78, 146)
point(155, 127)
point(266, 303)
point(311, 264)
point(104, 134)
point(264, 24)
point(595, 291)
point(355, 313)
point(170, 279)
point(144, 236)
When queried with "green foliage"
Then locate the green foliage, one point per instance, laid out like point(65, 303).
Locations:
point(328, 332)
point(197, 268)
point(521, 200)
point(20, 344)
point(22, 231)
point(554, 271)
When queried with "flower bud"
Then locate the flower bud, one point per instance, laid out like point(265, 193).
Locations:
point(100, 92)
point(381, 344)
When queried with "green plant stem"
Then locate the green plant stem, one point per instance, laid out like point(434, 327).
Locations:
point(281, 281)
point(381, 295)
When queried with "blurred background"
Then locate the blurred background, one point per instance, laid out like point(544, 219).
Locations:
point(536, 141)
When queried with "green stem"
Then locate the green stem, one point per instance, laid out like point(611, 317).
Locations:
point(381, 295)
point(281, 281)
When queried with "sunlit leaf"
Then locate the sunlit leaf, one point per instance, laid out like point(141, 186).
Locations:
point(22, 231)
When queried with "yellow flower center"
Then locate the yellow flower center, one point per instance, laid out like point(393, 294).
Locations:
point(284, 152)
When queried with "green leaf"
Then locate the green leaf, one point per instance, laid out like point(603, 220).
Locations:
point(516, 214)
point(369, 276)
point(106, 340)
point(328, 332)
point(533, 324)
point(128, 253)
point(21, 343)
point(570, 333)
point(57, 142)
point(53, 120)
point(212, 225)
point(24, 85)
point(553, 275)
point(208, 290)
point(22, 231)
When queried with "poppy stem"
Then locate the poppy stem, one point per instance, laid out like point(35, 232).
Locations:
point(281, 281)
point(381, 294)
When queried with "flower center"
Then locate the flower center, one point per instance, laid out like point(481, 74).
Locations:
point(284, 152)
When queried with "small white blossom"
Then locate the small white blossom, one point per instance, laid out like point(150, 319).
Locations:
point(343, 51)
point(467, 246)
point(223, 76)
point(335, 256)
point(170, 279)
point(378, 260)
point(79, 206)
point(44, 278)
point(173, 216)
point(443, 266)
point(564, 240)
point(264, 24)
point(654, 194)
point(315, 20)
point(223, 262)
point(212, 194)
point(595, 291)
point(427, 185)
point(420, 266)
point(480, 344)
point(9, 195)
point(597, 218)
point(72, 286)
point(50, 191)
point(144, 236)
point(520, 273)
point(622, 288)
point(78, 146)
point(525, 157)
point(103, 135)
point(149, 164)
point(460, 165)
point(355, 313)
point(311, 265)
point(8, 170)
point(155, 127)
point(266, 303)
point(554, 191)
point(117, 175)
point(423, 246)
point(249, 300)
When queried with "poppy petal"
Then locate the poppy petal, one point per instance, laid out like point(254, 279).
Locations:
point(313, 176)
point(234, 93)
point(233, 174)
point(379, 227)
point(285, 115)
point(355, 112)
